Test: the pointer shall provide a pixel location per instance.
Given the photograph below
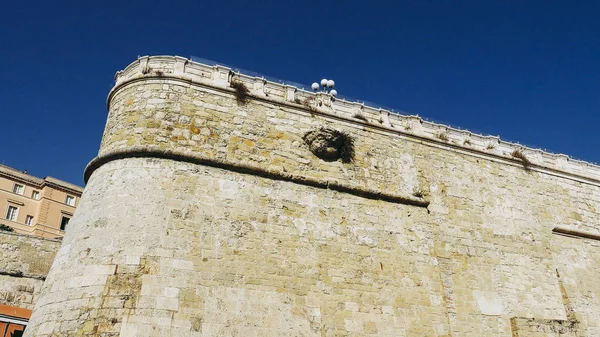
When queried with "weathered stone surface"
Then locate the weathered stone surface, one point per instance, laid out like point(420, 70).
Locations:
point(165, 247)
point(24, 263)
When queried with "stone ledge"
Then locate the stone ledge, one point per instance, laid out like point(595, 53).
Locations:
point(149, 152)
point(31, 236)
point(18, 273)
point(579, 234)
point(218, 76)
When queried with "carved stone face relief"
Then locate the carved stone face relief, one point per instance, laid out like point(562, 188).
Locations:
point(330, 145)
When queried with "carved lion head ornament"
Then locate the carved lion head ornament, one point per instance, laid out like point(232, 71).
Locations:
point(330, 145)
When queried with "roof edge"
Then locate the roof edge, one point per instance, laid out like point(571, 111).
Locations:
point(25, 178)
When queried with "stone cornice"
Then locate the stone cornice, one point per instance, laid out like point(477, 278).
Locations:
point(344, 187)
point(24, 178)
point(63, 186)
point(39, 183)
point(490, 147)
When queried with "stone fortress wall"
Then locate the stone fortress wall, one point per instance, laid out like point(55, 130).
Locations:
point(205, 216)
point(24, 263)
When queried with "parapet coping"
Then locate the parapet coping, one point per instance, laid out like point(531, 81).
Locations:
point(220, 77)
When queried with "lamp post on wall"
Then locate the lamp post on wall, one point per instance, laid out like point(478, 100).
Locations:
point(327, 86)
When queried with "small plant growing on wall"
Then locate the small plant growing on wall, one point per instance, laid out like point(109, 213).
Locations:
point(407, 126)
point(149, 70)
point(360, 116)
point(518, 154)
point(241, 91)
point(466, 141)
point(442, 136)
point(330, 145)
point(490, 146)
point(417, 193)
point(6, 228)
point(310, 103)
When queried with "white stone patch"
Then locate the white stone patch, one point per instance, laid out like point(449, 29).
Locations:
point(435, 299)
point(300, 225)
point(387, 309)
point(215, 107)
point(87, 281)
point(505, 229)
point(229, 189)
point(353, 325)
point(99, 270)
point(351, 306)
point(489, 303)
point(183, 264)
point(156, 101)
point(46, 328)
point(166, 303)
point(171, 292)
point(364, 236)
point(408, 173)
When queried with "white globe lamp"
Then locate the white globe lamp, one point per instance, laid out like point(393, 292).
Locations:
point(330, 84)
point(315, 86)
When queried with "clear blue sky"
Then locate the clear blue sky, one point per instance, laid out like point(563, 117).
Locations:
point(528, 71)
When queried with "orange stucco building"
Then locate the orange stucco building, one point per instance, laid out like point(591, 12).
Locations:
point(13, 320)
point(36, 206)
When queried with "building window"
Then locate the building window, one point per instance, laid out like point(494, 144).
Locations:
point(10, 329)
point(19, 189)
point(11, 326)
point(12, 213)
point(29, 220)
point(35, 195)
point(70, 200)
point(64, 222)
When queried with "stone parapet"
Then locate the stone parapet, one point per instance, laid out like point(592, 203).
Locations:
point(219, 77)
point(165, 116)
